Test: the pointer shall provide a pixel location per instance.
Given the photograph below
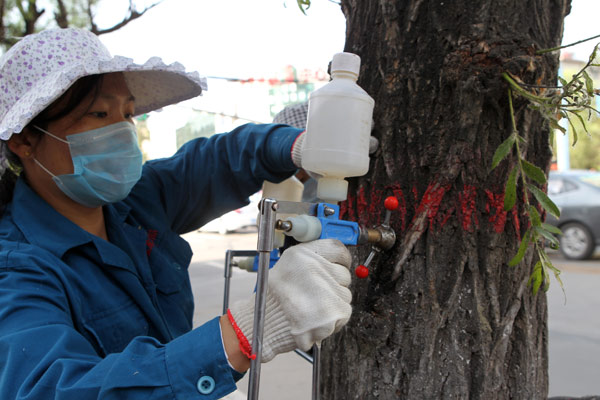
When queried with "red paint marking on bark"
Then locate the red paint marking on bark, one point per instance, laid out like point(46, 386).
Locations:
point(344, 207)
point(517, 223)
point(443, 218)
point(362, 206)
point(498, 218)
point(347, 207)
point(430, 203)
point(376, 206)
point(467, 207)
point(415, 193)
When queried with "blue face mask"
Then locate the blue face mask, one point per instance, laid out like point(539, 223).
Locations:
point(107, 163)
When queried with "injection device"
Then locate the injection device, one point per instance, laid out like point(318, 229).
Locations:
point(336, 146)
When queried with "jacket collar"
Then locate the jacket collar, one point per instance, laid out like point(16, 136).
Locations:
point(45, 227)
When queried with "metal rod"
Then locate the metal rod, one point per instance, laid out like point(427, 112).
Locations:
point(264, 247)
point(369, 258)
point(316, 380)
point(227, 274)
point(304, 355)
point(386, 221)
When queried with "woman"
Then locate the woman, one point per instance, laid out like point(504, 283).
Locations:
point(95, 298)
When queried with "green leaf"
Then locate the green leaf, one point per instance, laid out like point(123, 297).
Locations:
point(536, 277)
point(522, 249)
point(551, 228)
point(302, 4)
point(589, 83)
point(534, 216)
point(544, 200)
point(531, 277)
point(574, 130)
point(546, 277)
point(502, 151)
point(555, 125)
point(533, 172)
point(593, 55)
point(583, 123)
point(563, 81)
point(548, 265)
point(549, 236)
point(556, 272)
point(510, 192)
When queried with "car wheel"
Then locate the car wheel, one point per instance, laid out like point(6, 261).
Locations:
point(576, 242)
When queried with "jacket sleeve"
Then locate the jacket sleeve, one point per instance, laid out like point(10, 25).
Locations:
point(210, 176)
point(42, 355)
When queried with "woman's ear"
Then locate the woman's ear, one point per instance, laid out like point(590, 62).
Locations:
point(22, 144)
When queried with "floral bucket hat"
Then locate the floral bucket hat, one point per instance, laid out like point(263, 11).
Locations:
point(38, 69)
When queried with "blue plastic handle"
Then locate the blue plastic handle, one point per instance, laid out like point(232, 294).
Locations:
point(332, 227)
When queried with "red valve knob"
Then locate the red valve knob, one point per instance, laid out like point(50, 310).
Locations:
point(361, 271)
point(390, 203)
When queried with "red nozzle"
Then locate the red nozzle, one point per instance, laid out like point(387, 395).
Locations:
point(361, 272)
point(390, 203)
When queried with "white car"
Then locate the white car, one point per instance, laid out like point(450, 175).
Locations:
point(236, 219)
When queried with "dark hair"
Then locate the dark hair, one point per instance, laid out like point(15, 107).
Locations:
point(62, 106)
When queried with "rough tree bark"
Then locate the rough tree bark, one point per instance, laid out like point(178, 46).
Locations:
point(441, 314)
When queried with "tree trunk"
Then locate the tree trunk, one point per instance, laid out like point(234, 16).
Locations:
point(442, 315)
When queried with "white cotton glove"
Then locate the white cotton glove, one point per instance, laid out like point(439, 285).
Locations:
point(307, 298)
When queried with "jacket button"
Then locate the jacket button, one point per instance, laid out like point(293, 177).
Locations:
point(206, 385)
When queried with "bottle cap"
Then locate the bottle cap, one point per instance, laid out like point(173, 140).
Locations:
point(332, 189)
point(347, 62)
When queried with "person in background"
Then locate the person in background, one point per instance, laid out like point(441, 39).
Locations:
point(296, 115)
point(95, 296)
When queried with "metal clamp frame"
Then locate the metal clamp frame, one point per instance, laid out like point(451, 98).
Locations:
point(266, 229)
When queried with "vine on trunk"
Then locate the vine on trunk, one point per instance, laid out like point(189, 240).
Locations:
point(554, 103)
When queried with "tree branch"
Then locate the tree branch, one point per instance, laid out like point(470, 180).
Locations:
point(133, 14)
point(2, 27)
point(30, 16)
point(93, 26)
point(543, 51)
point(61, 16)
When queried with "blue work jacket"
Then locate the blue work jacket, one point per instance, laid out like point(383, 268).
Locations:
point(84, 318)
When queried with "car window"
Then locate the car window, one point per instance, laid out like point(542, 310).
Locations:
point(557, 186)
point(591, 179)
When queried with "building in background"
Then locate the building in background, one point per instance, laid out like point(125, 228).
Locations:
point(228, 103)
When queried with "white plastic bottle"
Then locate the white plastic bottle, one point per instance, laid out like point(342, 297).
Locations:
point(338, 129)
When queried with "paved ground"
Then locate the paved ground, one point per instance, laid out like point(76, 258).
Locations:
point(574, 326)
point(574, 329)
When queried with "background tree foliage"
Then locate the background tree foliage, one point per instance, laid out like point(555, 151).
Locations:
point(586, 154)
point(22, 17)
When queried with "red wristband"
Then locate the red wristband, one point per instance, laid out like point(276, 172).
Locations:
point(245, 346)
